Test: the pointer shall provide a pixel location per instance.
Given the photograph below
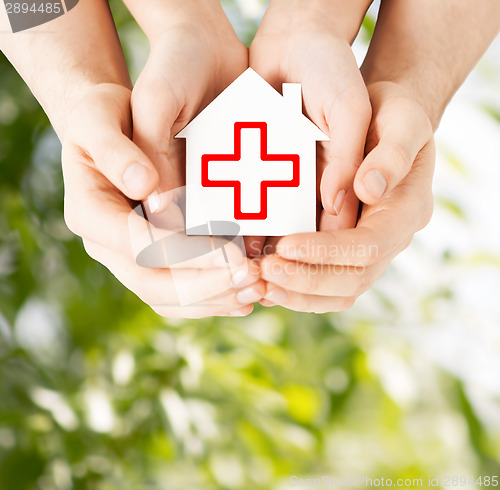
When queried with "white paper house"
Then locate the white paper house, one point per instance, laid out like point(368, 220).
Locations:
point(251, 160)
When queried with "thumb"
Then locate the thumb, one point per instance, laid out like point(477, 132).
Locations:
point(348, 122)
point(390, 161)
point(157, 102)
point(403, 134)
point(155, 110)
point(383, 169)
point(98, 131)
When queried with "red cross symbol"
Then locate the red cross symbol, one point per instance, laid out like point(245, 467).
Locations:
point(257, 170)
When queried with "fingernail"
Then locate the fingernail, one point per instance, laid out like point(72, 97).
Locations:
point(136, 179)
point(247, 296)
point(278, 296)
point(339, 202)
point(154, 201)
point(375, 183)
point(238, 277)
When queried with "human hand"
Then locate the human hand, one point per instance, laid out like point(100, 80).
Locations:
point(309, 44)
point(104, 173)
point(328, 270)
point(195, 54)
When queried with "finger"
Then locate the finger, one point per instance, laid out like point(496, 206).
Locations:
point(348, 215)
point(174, 288)
point(346, 219)
point(154, 111)
point(403, 129)
point(348, 117)
point(232, 304)
point(275, 296)
point(102, 134)
point(381, 229)
point(320, 279)
point(162, 248)
point(155, 108)
point(359, 247)
point(198, 312)
point(312, 301)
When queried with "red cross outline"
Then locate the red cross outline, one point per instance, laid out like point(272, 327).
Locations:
point(264, 156)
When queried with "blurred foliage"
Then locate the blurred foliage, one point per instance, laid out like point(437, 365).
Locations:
point(97, 392)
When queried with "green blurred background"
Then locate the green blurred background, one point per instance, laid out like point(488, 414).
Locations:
point(97, 392)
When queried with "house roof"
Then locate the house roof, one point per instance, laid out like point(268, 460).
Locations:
point(251, 88)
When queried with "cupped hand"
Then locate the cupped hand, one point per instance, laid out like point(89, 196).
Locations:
point(296, 45)
point(105, 175)
point(188, 66)
point(327, 271)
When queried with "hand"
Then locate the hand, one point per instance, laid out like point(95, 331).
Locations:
point(328, 270)
point(302, 44)
point(104, 173)
point(193, 59)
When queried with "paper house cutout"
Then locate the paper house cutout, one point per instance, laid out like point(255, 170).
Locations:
point(251, 160)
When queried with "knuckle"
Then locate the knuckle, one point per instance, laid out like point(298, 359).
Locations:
point(106, 147)
point(102, 151)
point(398, 159)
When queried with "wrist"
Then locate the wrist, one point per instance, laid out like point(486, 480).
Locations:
point(62, 65)
point(431, 103)
point(398, 91)
point(160, 16)
point(60, 110)
point(340, 18)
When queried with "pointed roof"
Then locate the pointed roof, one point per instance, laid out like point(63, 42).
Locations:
point(254, 88)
